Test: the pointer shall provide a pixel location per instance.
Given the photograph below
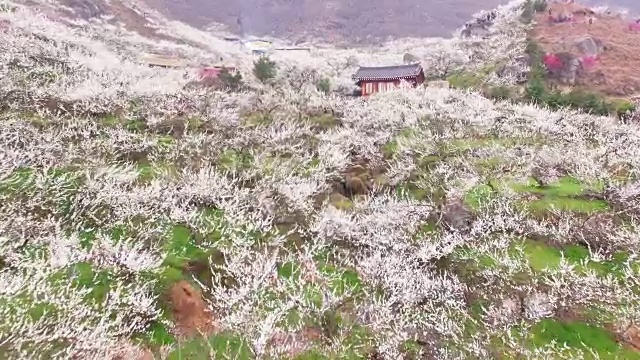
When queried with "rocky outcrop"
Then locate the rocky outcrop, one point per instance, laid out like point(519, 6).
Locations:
point(475, 30)
point(588, 45)
point(409, 58)
point(87, 9)
point(479, 27)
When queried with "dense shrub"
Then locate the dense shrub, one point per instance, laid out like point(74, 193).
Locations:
point(464, 80)
point(536, 89)
point(527, 12)
point(577, 99)
point(540, 5)
point(623, 108)
point(499, 92)
point(534, 50)
point(228, 81)
point(324, 85)
point(264, 69)
point(530, 8)
point(587, 101)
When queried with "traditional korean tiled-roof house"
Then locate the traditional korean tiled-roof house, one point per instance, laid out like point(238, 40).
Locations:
point(385, 78)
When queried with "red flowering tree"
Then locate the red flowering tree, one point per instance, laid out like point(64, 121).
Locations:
point(552, 62)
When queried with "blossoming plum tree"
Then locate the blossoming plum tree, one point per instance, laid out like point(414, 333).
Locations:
point(420, 222)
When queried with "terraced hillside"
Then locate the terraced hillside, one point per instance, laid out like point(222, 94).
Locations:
point(472, 227)
point(143, 219)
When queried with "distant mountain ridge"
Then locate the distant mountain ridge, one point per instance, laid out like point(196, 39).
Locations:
point(339, 22)
point(346, 21)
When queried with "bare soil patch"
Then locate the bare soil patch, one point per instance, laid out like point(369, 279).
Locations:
point(189, 310)
point(631, 337)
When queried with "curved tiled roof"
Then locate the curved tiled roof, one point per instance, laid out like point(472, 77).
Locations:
point(387, 72)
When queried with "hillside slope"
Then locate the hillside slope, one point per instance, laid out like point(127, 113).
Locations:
point(143, 218)
point(608, 39)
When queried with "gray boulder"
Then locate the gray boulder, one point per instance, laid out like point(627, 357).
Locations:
point(588, 45)
point(476, 30)
point(409, 58)
point(456, 216)
point(570, 71)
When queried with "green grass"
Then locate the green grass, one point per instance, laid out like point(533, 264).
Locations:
point(358, 343)
point(35, 308)
point(111, 121)
point(465, 80)
point(489, 164)
point(85, 276)
point(22, 180)
point(181, 249)
point(341, 202)
point(164, 141)
point(343, 279)
point(410, 190)
point(223, 346)
point(483, 142)
point(478, 196)
point(157, 335)
point(580, 336)
point(150, 171)
point(466, 261)
point(565, 186)
point(324, 121)
point(568, 204)
point(19, 179)
point(257, 119)
point(180, 242)
point(471, 79)
point(543, 256)
point(135, 125)
point(390, 148)
point(306, 169)
point(194, 123)
point(562, 195)
point(311, 355)
point(234, 160)
point(426, 231)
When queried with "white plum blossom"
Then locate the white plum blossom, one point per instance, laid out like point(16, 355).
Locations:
point(422, 222)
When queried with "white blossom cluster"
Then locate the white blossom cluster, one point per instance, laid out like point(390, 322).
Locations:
point(406, 224)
